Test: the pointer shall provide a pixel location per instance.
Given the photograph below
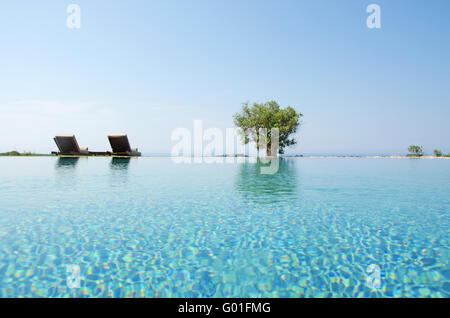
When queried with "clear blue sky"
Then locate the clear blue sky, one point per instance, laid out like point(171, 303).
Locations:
point(147, 67)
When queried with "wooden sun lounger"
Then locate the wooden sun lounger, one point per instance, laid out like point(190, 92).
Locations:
point(121, 146)
point(68, 145)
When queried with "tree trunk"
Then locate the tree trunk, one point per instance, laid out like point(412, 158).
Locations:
point(269, 150)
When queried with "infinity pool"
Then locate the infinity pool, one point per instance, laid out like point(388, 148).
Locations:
point(148, 227)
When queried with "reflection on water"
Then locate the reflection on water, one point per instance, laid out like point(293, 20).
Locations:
point(119, 171)
point(65, 170)
point(269, 188)
point(120, 163)
point(67, 162)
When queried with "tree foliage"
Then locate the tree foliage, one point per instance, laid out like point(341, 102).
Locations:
point(268, 115)
point(415, 150)
point(437, 153)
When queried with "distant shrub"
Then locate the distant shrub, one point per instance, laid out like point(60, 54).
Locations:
point(16, 153)
point(13, 153)
point(437, 153)
point(415, 151)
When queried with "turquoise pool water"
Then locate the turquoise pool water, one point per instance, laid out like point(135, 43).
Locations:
point(147, 227)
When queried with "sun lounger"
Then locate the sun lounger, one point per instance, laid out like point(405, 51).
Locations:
point(68, 145)
point(121, 146)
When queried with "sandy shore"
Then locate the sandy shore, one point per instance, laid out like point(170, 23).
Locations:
point(385, 157)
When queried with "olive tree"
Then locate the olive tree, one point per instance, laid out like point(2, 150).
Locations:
point(268, 115)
